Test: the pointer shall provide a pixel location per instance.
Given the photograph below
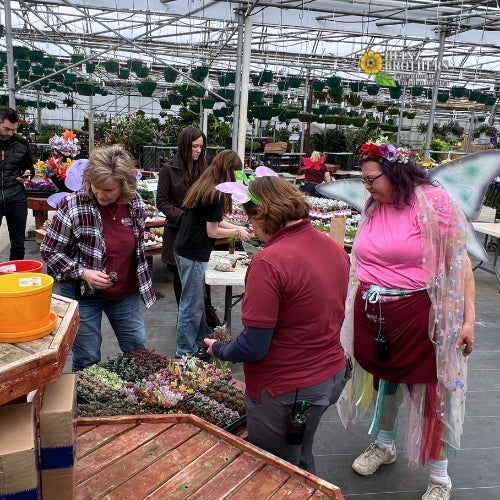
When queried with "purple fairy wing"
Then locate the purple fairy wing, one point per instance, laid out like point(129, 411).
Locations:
point(263, 171)
point(237, 190)
point(74, 175)
point(54, 199)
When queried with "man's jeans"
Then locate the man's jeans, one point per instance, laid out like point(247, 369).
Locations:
point(124, 315)
point(192, 325)
point(15, 215)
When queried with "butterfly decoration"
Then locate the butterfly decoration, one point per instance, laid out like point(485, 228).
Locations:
point(464, 179)
point(239, 190)
point(73, 181)
point(316, 165)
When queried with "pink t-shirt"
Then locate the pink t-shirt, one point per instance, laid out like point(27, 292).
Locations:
point(389, 247)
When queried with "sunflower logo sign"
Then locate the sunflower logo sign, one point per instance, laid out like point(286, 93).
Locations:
point(371, 63)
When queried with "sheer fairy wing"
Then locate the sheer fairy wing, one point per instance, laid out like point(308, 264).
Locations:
point(54, 199)
point(237, 190)
point(74, 175)
point(352, 191)
point(466, 180)
point(264, 171)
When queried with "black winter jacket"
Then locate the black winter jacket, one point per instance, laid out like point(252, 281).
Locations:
point(15, 158)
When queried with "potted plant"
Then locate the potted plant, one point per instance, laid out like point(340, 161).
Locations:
point(232, 240)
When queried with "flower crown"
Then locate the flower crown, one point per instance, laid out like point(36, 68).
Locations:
point(381, 151)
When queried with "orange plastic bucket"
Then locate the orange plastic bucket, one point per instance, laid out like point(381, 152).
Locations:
point(25, 300)
point(21, 266)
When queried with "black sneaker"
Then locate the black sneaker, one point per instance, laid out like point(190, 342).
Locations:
point(212, 318)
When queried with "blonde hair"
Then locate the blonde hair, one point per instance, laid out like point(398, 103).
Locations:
point(111, 163)
point(315, 156)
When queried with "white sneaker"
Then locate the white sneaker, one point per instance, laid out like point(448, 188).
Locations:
point(436, 491)
point(372, 459)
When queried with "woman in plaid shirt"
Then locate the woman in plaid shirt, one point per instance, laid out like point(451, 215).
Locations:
point(94, 247)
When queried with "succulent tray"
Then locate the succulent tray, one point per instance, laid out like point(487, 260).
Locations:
point(143, 382)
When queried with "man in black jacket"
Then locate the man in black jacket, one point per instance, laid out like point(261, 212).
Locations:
point(16, 168)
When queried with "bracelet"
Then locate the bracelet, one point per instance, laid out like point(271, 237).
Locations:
point(237, 233)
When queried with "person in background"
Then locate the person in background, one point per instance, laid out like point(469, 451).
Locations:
point(95, 248)
point(16, 168)
point(409, 315)
point(202, 223)
point(291, 312)
point(175, 178)
point(315, 172)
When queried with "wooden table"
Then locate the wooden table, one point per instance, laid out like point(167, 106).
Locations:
point(181, 456)
point(40, 209)
point(26, 366)
point(489, 229)
point(227, 279)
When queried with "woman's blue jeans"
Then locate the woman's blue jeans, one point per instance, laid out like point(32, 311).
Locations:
point(192, 325)
point(124, 315)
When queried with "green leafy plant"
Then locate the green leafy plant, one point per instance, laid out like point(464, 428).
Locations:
point(232, 240)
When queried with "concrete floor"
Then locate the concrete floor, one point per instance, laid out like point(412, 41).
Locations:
point(474, 470)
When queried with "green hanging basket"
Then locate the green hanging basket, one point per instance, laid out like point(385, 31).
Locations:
point(490, 101)
point(165, 103)
point(49, 62)
point(70, 78)
point(77, 58)
point(335, 91)
point(142, 72)
point(23, 64)
point(170, 74)
point(416, 91)
point(381, 108)
point(356, 86)
point(372, 89)
point(199, 73)
point(277, 99)
point(36, 55)
point(112, 66)
point(195, 107)
point(266, 76)
point(255, 95)
point(134, 65)
point(305, 117)
point(318, 85)
point(458, 91)
point(283, 85)
point(294, 82)
point(482, 98)
point(175, 99)
point(334, 81)
point(227, 78)
point(474, 95)
point(146, 88)
point(395, 92)
point(85, 88)
point(367, 104)
point(443, 97)
point(90, 67)
point(226, 94)
point(123, 74)
point(208, 103)
point(257, 81)
point(20, 52)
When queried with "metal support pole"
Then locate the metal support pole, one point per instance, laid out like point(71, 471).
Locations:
point(435, 89)
point(237, 80)
point(10, 56)
point(245, 75)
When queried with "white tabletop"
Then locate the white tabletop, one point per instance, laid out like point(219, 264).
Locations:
point(236, 277)
point(491, 228)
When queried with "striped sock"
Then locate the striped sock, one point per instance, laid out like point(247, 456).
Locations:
point(439, 471)
point(385, 439)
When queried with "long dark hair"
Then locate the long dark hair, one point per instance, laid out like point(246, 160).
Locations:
point(403, 178)
point(191, 170)
point(222, 169)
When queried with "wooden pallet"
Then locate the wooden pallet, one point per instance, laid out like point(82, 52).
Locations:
point(26, 366)
point(182, 456)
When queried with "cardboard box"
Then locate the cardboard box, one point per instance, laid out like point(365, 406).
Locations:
point(58, 438)
point(19, 477)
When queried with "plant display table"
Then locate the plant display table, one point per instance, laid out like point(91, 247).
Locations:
point(26, 366)
point(181, 456)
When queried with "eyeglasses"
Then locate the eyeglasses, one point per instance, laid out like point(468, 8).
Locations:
point(371, 180)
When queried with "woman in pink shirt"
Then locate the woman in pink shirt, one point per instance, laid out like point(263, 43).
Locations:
point(409, 315)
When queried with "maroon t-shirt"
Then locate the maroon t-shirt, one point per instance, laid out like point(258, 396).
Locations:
point(297, 285)
point(120, 250)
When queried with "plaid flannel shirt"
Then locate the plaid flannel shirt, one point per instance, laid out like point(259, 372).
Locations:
point(75, 242)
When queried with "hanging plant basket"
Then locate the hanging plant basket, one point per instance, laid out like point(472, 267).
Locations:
point(134, 64)
point(37, 70)
point(283, 85)
point(170, 74)
point(111, 66)
point(266, 76)
point(381, 108)
point(305, 117)
point(373, 125)
point(367, 104)
point(277, 98)
point(372, 89)
point(49, 62)
point(226, 94)
point(175, 99)
point(490, 101)
point(353, 99)
point(70, 78)
point(123, 74)
point(90, 67)
point(318, 85)
point(20, 52)
point(195, 107)
point(146, 88)
point(227, 79)
point(320, 94)
point(356, 86)
point(23, 64)
point(443, 97)
point(335, 92)
point(200, 73)
point(328, 119)
point(165, 103)
point(334, 81)
point(142, 72)
point(257, 81)
point(51, 105)
point(255, 95)
point(294, 82)
point(395, 92)
point(410, 115)
point(85, 88)
point(358, 122)
point(77, 58)
point(417, 91)
point(36, 55)
point(458, 91)
point(208, 103)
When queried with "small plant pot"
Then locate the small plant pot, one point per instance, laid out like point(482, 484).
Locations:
point(231, 251)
